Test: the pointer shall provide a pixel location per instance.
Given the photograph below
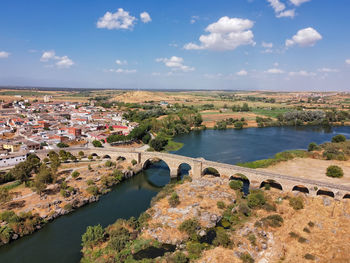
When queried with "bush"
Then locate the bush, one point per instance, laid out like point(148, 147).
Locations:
point(174, 200)
point(236, 184)
point(75, 174)
point(93, 235)
point(119, 238)
point(68, 207)
point(272, 220)
point(146, 138)
point(252, 239)
point(133, 162)
point(110, 164)
point(64, 193)
point(194, 249)
point(158, 143)
point(90, 182)
point(296, 202)
point(62, 145)
point(220, 205)
point(339, 138)
point(93, 190)
point(309, 256)
point(221, 239)
point(256, 199)
point(179, 257)
point(335, 171)
point(312, 147)
point(189, 226)
point(96, 143)
point(9, 217)
point(238, 125)
point(246, 258)
point(244, 209)
point(5, 195)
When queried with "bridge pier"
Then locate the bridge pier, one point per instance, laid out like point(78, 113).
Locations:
point(197, 169)
point(173, 172)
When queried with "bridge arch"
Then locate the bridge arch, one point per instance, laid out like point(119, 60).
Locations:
point(106, 156)
point(183, 169)
point(272, 183)
point(325, 192)
point(301, 188)
point(121, 158)
point(346, 196)
point(210, 171)
point(94, 154)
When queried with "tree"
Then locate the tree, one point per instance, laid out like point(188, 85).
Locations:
point(90, 157)
point(245, 107)
point(146, 138)
point(62, 145)
point(174, 200)
point(75, 174)
point(312, 147)
point(5, 196)
point(158, 143)
point(81, 154)
point(236, 184)
point(96, 143)
point(93, 235)
point(339, 138)
point(238, 125)
point(335, 171)
point(198, 120)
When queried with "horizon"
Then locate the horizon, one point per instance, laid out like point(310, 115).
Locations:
point(248, 45)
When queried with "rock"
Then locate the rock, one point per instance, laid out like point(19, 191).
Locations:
point(202, 233)
point(14, 236)
point(326, 201)
point(264, 246)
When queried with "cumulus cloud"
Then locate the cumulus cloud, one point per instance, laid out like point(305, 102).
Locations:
point(327, 70)
point(279, 9)
point(123, 71)
point(298, 2)
point(118, 20)
point(4, 54)
point(274, 71)
point(175, 63)
point(145, 17)
point(225, 34)
point(61, 62)
point(242, 73)
point(306, 37)
point(302, 73)
point(347, 61)
point(121, 62)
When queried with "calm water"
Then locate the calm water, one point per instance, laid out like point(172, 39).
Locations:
point(60, 240)
point(233, 146)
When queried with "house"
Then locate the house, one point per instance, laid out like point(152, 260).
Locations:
point(11, 146)
point(13, 159)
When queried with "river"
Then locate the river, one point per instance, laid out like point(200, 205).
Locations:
point(60, 240)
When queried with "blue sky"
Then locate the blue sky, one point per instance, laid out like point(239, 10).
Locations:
point(285, 45)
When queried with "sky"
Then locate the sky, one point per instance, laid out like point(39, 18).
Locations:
point(278, 45)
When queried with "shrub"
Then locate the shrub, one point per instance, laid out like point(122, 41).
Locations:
point(306, 230)
point(296, 202)
point(133, 162)
point(309, 256)
point(93, 190)
point(119, 238)
point(335, 171)
point(64, 193)
point(96, 143)
point(256, 199)
point(62, 145)
point(311, 224)
point(68, 207)
point(244, 209)
point(246, 258)
point(174, 200)
point(75, 174)
point(220, 204)
point(158, 143)
point(90, 182)
point(189, 226)
point(194, 249)
point(252, 239)
point(143, 218)
point(93, 235)
point(339, 138)
point(5, 195)
point(236, 184)
point(221, 239)
point(179, 257)
point(273, 220)
point(146, 138)
point(312, 147)
point(238, 125)
point(9, 217)
point(110, 164)
point(302, 239)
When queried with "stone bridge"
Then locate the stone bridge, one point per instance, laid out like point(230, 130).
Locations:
point(199, 167)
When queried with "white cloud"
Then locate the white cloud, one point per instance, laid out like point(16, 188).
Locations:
point(118, 20)
point(121, 62)
point(274, 71)
point(175, 63)
point(287, 13)
point(62, 62)
point(4, 54)
point(242, 73)
point(277, 5)
point(306, 37)
point(123, 71)
point(194, 19)
point(267, 45)
point(302, 73)
point(347, 61)
point(327, 70)
point(298, 2)
point(47, 55)
point(145, 17)
point(225, 34)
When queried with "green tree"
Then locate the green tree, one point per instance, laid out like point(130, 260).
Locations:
point(335, 171)
point(158, 143)
point(198, 120)
point(5, 196)
point(312, 147)
point(75, 174)
point(96, 143)
point(81, 153)
point(339, 138)
point(93, 236)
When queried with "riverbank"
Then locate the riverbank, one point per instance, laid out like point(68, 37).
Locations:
point(94, 179)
